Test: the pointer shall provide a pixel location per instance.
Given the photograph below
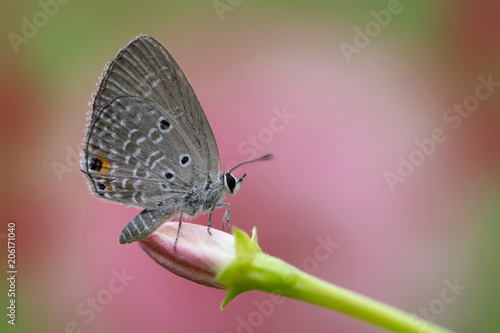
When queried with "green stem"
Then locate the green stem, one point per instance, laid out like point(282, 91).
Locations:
point(254, 270)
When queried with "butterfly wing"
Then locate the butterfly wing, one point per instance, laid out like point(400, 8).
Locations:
point(144, 68)
point(149, 140)
point(140, 165)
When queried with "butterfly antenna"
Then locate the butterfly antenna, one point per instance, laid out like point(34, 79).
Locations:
point(265, 157)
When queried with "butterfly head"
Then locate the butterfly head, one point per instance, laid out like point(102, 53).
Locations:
point(231, 185)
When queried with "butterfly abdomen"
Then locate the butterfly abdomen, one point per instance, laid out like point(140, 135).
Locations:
point(143, 224)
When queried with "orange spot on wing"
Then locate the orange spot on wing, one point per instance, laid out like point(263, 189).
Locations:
point(105, 166)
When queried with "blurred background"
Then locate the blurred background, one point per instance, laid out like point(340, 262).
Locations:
point(384, 120)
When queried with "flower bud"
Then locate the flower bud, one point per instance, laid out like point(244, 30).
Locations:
point(198, 256)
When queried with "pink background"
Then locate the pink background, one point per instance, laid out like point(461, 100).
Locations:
point(351, 122)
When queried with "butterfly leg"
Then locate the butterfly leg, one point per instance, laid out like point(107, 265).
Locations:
point(178, 231)
point(210, 219)
point(226, 214)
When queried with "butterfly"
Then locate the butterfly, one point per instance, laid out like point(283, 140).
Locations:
point(149, 143)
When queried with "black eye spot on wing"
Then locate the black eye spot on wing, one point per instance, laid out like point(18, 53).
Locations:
point(95, 164)
point(185, 160)
point(164, 125)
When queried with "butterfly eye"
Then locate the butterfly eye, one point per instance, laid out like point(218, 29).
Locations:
point(230, 182)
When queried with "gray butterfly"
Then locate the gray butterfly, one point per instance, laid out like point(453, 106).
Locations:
point(149, 143)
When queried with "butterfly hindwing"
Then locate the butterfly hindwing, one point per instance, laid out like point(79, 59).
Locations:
point(139, 165)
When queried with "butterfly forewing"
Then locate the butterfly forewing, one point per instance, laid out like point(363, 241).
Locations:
point(145, 69)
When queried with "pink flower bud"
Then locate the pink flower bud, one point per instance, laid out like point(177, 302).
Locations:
point(198, 256)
